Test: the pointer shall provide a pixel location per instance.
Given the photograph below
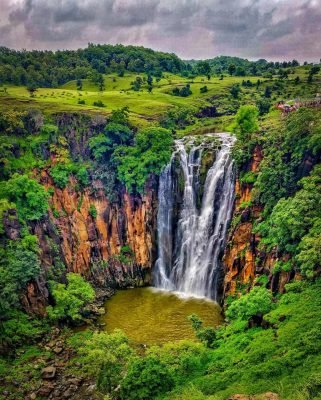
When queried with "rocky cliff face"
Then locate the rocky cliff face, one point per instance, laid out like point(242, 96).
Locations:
point(240, 254)
point(243, 259)
point(86, 240)
point(116, 248)
point(113, 246)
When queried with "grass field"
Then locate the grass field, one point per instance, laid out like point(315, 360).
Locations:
point(118, 93)
point(145, 107)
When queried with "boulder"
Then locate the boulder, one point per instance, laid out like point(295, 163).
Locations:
point(48, 372)
point(58, 350)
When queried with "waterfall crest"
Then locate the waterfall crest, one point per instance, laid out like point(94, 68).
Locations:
point(192, 231)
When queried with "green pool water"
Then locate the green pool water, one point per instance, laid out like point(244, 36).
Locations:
point(150, 316)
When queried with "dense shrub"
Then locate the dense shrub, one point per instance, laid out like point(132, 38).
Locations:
point(70, 298)
point(30, 198)
point(104, 357)
point(60, 174)
point(147, 377)
point(151, 152)
point(257, 301)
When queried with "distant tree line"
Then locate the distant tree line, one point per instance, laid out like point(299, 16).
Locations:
point(51, 69)
point(237, 66)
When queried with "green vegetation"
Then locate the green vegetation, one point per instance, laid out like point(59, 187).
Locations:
point(266, 346)
point(152, 150)
point(244, 127)
point(22, 257)
point(292, 234)
point(70, 298)
point(245, 123)
point(146, 378)
point(49, 69)
point(30, 198)
point(93, 211)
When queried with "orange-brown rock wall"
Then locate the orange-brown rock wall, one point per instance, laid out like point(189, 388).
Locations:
point(85, 239)
point(243, 259)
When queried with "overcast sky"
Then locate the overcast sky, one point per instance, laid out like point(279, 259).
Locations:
point(272, 29)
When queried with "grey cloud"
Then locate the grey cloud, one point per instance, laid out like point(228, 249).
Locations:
point(192, 28)
point(21, 13)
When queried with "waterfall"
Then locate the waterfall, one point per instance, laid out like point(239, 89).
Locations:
point(192, 231)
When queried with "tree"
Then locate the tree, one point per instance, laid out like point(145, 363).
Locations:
point(120, 116)
point(246, 122)
point(152, 150)
point(105, 357)
point(32, 88)
point(240, 71)
point(70, 298)
point(267, 92)
point(136, 84)
point(100, 146)
point(315, 69)
point(150, 83)
point(79, 84)
point(185, 91)
point(231, 69)
point(206, 335)
point(204, 68)
point(257, 301)
point(263, 106)
point(30, 198)
point(118, 133)
point(98, 79)
point(147, 378)
point(235, 91)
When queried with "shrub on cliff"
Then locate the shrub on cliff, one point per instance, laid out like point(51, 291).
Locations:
point(115, 134)
point(19, 263)
point(30, 198)
point(244, 126)
point(70, 298)
point(245, 122)
point(60, 174)
point(151, 152)
point(293, 227)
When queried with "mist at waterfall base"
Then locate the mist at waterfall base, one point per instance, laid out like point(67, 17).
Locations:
point(192, 231)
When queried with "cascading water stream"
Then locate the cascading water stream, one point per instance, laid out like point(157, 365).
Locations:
point(190, 251)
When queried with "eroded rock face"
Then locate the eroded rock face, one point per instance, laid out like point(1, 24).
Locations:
point(240, 254)
point(11, 224)
point(85, 240)
point(243, 260)
point(73, 239)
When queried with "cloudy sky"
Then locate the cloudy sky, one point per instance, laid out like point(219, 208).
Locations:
point(272, 29)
